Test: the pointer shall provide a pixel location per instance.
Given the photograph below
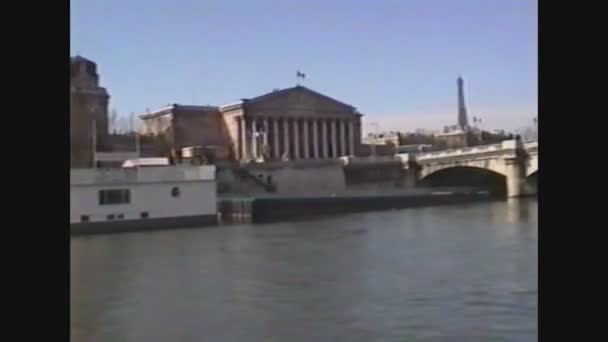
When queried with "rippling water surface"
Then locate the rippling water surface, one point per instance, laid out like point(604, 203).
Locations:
point(453, 273)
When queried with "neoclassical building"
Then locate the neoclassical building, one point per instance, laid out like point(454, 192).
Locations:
point(290, 124)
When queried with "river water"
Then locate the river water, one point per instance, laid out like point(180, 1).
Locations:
point(453, 273)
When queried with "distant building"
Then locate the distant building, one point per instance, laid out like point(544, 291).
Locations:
point(454, 139)
point(424, 131)
point(294, 123)
point(180, 126)
point(393, 138)
point(414, 148)
point(88, 109)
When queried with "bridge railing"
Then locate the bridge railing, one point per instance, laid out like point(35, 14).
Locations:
point(505, 145)
point(460, 151)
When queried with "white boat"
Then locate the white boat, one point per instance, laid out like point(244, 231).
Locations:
point(142, 198)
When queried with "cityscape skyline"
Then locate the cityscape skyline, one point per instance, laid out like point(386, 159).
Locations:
point(403, 81)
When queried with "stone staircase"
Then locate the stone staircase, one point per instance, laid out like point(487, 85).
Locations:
point(260, 182)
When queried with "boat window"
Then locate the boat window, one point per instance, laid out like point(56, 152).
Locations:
point(84, 218)
point(121, 216)
point(114, 196)
point(175, 192)
point(110, 217)
point(144, 214)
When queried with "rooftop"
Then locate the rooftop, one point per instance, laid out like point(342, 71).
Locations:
point(277, 92)
point(171, 107)
point(132, 176)
point(237, 104)
point(79, 58)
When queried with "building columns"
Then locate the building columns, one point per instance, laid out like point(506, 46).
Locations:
point(286, 137)
point(266, 131)
point(334, 139)
point(342, 138)
point(275, 138)
point(296, 139)
point(264, 150)
point(254, 139)
point(351, 137)
point(243, 133)
point(315, 139)
point(324, 143)
point(342, 143)
point(306, 142)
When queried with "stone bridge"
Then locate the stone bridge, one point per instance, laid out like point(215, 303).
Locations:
point(513, 159)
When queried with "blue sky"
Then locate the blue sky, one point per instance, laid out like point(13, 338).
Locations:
point(396, 61)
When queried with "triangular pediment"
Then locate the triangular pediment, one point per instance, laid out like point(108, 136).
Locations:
point(298, 97)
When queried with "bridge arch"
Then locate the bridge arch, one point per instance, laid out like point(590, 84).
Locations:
point(532, 164)
point(465, 176)
point(530, 185)
point(532, 179)
point(487, 164)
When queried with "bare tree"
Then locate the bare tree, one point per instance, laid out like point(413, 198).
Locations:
point(122, 125)
point(138, 125)
point(132, 122)
point(113, 121)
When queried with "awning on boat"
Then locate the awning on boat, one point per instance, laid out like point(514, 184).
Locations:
point(146, 162)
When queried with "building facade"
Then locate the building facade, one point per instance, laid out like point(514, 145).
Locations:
point(289, 124)
point(393, 138)
point(88, 112)
point(176, 127)
point(454, 139)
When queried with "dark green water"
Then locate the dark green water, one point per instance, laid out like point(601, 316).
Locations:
point(450, 273)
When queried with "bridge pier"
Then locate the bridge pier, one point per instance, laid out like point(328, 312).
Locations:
point(515, 177)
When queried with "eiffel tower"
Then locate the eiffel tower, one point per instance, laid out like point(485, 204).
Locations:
point(463, 122)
